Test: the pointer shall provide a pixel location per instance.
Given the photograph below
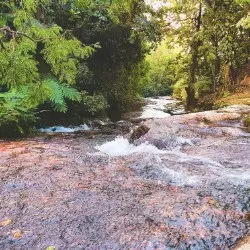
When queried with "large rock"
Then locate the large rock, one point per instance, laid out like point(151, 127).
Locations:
point(188, 189)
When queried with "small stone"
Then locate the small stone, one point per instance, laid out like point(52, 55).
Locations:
point(56, 167)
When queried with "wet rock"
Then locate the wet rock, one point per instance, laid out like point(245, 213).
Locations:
point(242, 109)
point(176, 108)
point(139, 132)
point(124, 126)
point(171, 142)
point(243, 244)
point(99, 123)
point(186, 188)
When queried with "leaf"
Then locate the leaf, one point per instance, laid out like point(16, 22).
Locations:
point(70, 93)
point(5, 223)
point(58, 92)
point(51, 248)
point(18, 234)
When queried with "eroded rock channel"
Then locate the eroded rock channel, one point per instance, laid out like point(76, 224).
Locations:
point(184, 184)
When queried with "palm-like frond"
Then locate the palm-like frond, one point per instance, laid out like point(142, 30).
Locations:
point(70, 93)
point(59, 92)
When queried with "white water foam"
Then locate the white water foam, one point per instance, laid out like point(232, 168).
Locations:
point(61, 129)
point(121, 147)
point(174, 165)
point(151, 166)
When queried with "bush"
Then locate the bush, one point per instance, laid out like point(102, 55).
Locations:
point(179, 89)
point(16, 114)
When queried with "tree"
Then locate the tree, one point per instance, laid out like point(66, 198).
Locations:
point(162, 69)
point(216, 47)
point(125, 34)
point(38, 62)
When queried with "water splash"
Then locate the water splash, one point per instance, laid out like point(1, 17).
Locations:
point(61, 129)
point(121, 147)
point(169, 165)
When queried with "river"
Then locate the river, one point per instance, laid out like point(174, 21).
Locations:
point(183, 182)
point(160, 107)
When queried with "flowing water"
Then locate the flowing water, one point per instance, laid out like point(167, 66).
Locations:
point(185, 184)
point(62, 129)
point(155, 108)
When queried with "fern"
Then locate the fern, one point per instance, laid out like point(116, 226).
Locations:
point(27, 42)
point(70, 93)
point(19, 104)
point(58, 93)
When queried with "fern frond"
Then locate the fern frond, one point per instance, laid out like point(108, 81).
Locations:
point(70, 93)
point(56, 96)
point(58, 92)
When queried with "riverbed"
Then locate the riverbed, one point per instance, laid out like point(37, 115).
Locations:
point(183, 184)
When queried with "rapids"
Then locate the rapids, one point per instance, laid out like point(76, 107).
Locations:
point(185, 184)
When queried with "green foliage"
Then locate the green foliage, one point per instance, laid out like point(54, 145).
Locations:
point(62, 55)
point(47, 53)
point(245, 22)
point(116, 69)
point(57, 93)
point(162, 70)
point(18, 105)
point(246, 122)
point(179, 89)
point(15, 113)
point(94, 104)
point(214, 37)
point(17, 64)
point(203, 86)
point(31, 50)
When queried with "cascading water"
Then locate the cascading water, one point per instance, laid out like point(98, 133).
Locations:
point(206, 168)
point(171, 151)
point(62, 129)
point(121, 147)
point(182, 185)
point(155, 108)
point(158, 108)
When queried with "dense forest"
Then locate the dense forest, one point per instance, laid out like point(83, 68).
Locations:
point(92, 57)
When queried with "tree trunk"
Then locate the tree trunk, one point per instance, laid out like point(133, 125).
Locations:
point(191, 101)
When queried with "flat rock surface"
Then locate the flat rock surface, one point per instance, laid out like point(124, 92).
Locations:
point(185, 185)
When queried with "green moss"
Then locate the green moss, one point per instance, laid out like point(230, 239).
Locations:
point(246, 122)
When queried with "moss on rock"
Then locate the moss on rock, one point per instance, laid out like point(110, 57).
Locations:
point(246, 122)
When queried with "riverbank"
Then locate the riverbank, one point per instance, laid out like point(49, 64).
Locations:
point(184, 184)
point(241, 97)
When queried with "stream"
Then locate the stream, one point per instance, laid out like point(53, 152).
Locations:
point(160, 179)
point(160, 107)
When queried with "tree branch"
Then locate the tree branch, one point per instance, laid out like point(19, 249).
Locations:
point(7, 29)
point(14, 34)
